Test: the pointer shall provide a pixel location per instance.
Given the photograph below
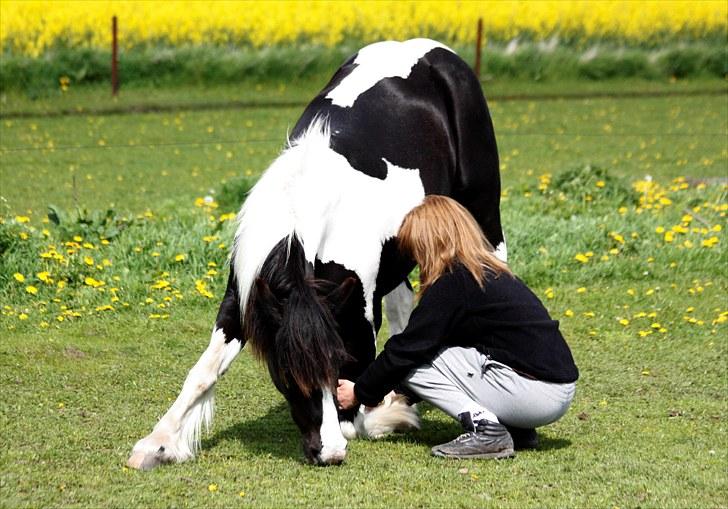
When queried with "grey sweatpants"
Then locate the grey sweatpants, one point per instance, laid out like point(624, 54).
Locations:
point(459, 378)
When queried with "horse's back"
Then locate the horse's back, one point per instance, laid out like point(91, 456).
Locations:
point(414, 105)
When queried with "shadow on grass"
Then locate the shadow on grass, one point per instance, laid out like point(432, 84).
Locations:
point(273, 434)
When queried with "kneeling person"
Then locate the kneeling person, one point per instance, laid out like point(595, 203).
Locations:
point(480, 345)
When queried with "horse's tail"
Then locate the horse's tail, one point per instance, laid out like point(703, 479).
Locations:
point(393, 414)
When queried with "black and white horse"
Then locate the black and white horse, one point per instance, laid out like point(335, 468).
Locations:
point(315, 250)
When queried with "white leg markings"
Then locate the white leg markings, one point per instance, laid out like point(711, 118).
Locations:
point(180, 430)
point(333, 443)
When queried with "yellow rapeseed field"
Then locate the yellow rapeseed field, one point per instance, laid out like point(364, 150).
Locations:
point(32, 27)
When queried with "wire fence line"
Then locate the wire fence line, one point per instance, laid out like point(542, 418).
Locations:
point(282, 141)
point(213, 106)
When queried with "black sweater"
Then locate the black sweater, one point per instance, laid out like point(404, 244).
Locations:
point(503, 320)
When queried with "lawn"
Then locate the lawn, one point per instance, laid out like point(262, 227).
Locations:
point(634, 267)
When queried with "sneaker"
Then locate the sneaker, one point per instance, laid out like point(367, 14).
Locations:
point(482, 439)
point(523, 438)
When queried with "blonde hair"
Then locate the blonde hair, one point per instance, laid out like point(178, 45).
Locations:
point(440, 233)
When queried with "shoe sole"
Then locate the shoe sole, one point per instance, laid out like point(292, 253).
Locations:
point(506, 453)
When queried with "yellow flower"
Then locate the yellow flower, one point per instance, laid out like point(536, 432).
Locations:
point(581, 258)
point(89, 281)
point(19, 277)
point(180, 257)
point(624, 322)
point(88, 260)
point(600, 183)
point(105, 307)
point(712, 241)
point(22, 316)
point(22, 219)
point(569, 313)
point(212, 487)
point(581, 289)
point(31, 290)
point(45, 277)
point(160, 285)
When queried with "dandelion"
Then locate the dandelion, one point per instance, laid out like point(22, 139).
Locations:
point(582, 258)
point(180, 257)
point(624, 322)
point(212, 488)
point(89, 281)
point(712, 241)
point(22, 316)
point(19, 277)
point(22, 219)
point(31, 290)
point(569, 313)
point(45, 277)
point(201, 288)
point(160, 285)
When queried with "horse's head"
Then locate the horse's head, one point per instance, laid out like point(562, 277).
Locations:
point(290, 322)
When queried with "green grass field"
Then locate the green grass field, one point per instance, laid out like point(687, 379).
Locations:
point(98, 335)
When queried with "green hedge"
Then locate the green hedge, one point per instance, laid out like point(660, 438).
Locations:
point(216, 65)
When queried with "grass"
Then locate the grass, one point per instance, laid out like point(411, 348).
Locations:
point(645, 316)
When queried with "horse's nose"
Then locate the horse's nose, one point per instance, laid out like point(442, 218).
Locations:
point(331, 457)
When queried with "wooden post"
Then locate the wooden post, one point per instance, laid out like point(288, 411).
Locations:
point(114, 58)
point(478, 43)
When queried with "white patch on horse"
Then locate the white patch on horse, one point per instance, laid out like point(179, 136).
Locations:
point(386, 59)
point(501, 251)
point(338, 213)
point(333, 443)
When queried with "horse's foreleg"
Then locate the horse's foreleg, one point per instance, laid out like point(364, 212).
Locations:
point(176, 436)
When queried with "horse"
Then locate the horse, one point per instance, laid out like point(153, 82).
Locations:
point(315, 250)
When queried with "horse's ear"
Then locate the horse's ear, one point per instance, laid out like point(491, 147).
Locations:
point(266, 303)
point(337, 297)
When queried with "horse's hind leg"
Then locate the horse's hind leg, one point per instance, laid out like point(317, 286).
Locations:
point(176, 436)
point(398, 305)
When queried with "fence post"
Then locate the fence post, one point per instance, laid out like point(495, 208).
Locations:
point(114, 58)
point(478, 43)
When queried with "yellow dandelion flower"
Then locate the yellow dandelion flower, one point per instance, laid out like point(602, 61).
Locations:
point(94, 283)
point(582, 258)
point(624, 322)
point(19, 277)
point(22, 219)
point(569, 313)
point(212, 487)
point(22, 316)
point(31, 290)
point(180, 257)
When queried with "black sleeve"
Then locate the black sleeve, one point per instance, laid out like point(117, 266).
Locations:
point(425, 335)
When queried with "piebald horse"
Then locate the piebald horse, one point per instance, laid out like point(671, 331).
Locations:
point(315, 250)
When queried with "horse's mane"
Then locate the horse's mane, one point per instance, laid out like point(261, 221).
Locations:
point(289, 325)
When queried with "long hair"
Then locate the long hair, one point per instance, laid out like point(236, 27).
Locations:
point(290, 326)
point(440, 233)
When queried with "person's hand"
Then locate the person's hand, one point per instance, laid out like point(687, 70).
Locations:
point(345, 394)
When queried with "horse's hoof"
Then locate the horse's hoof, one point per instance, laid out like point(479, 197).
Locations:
point(144, 461)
